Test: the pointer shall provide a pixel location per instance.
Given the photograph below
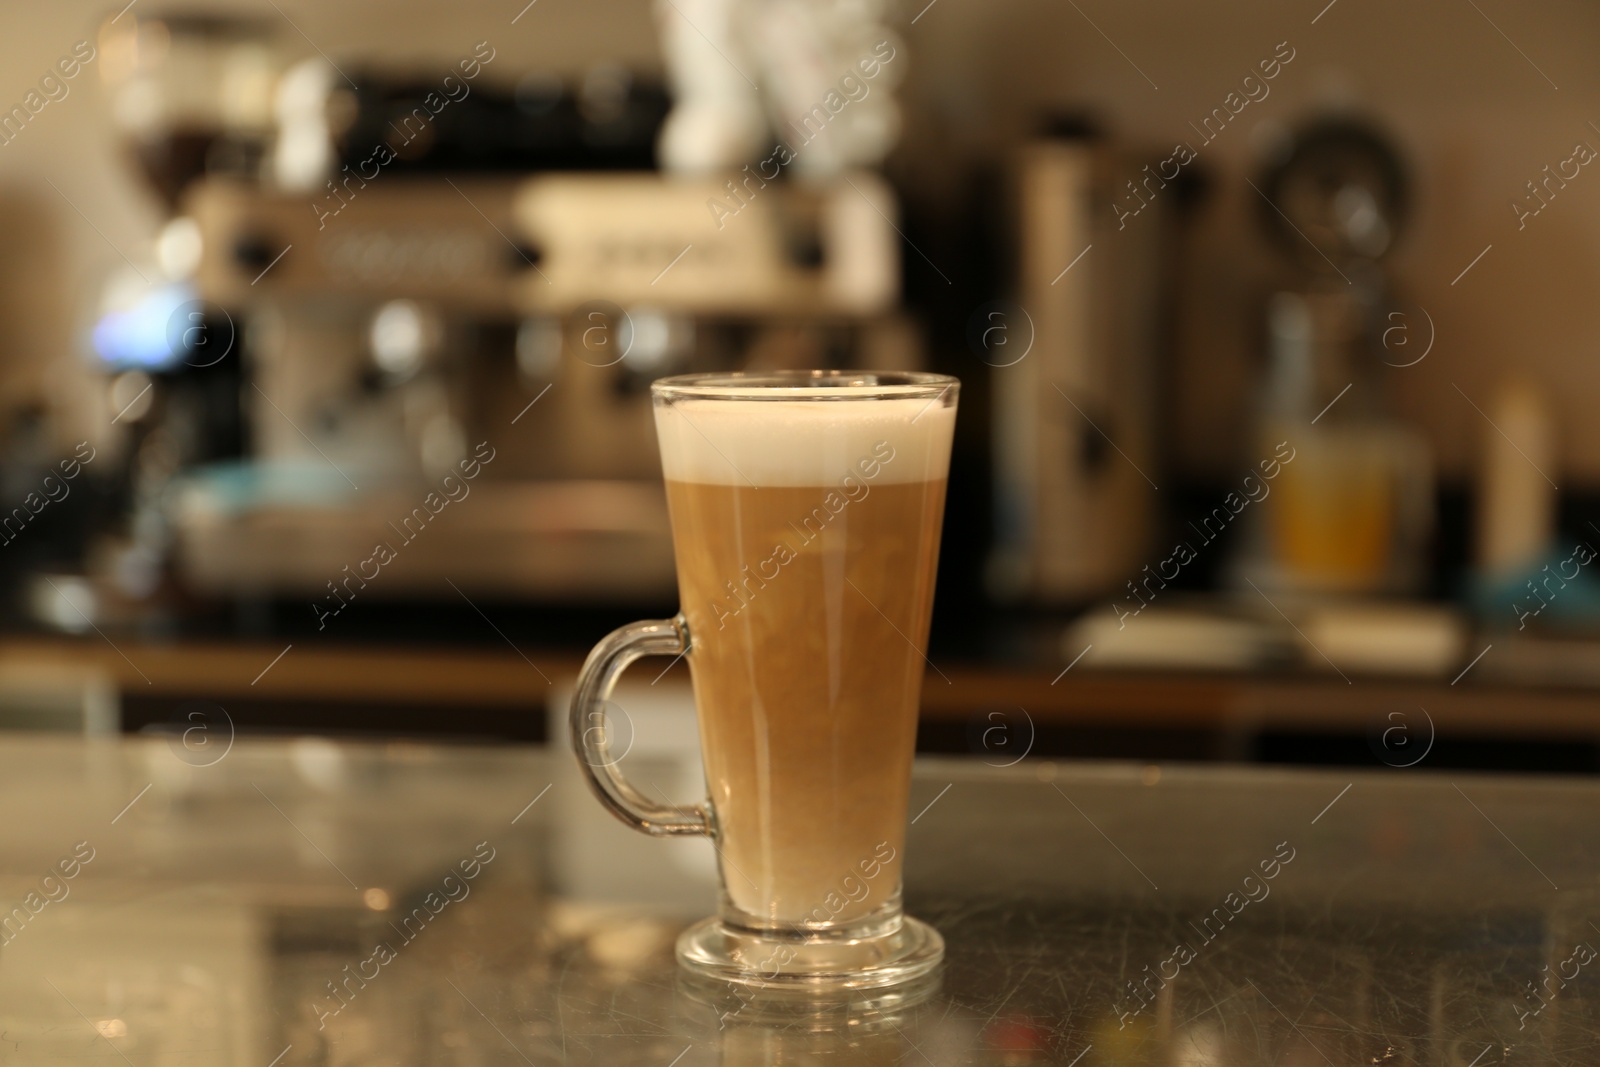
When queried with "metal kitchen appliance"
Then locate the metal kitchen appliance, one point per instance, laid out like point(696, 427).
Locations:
point(392, 274)
point(1075, 384)
point(1355, 512)
point(435, 313)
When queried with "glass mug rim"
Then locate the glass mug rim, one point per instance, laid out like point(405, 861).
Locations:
point(828, 386)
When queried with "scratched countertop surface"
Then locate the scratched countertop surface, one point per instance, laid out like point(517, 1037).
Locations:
point(1094, 915)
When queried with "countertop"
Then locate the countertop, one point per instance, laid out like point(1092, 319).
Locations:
point(1095, 915)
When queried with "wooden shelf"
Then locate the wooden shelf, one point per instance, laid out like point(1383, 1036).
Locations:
point(507, 678)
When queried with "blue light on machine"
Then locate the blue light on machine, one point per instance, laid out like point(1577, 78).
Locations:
point(146, 336)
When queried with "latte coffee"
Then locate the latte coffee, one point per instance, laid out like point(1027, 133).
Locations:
point(806, 577)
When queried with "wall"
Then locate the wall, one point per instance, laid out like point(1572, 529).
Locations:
point(1477, 119)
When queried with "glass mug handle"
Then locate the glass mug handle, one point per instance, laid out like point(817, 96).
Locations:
point(613, 655)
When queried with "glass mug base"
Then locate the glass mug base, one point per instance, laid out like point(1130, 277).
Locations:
point(713, 949)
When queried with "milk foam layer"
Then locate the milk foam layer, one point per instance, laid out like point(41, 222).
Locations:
point(803, 442)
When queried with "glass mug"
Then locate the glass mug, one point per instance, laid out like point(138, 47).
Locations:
point(806, 509)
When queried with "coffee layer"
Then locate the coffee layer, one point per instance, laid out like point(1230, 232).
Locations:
point(807, 612)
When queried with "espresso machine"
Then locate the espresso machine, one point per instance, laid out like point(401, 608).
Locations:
point(429, 305)
point(438, 319)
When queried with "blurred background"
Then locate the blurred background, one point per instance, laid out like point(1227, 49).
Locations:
point(327, 333)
